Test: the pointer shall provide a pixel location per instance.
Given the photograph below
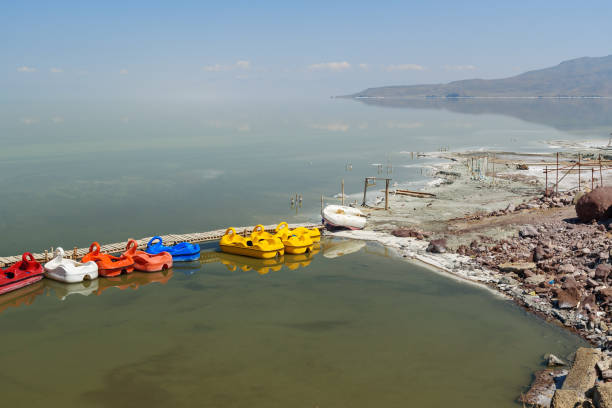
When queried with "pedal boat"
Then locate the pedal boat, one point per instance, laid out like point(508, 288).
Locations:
point(109, 265)
point(295, 243)
point(254, 247)
point(315, 233)
point(145, 262)
point(69, 271)
point(181, 252)
point(23, 273)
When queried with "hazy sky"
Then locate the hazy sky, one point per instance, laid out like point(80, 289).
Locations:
point(181, 49)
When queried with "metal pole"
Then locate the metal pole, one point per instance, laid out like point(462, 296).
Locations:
point(342, 191)
point(386, 194)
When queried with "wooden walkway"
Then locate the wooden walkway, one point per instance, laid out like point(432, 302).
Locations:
point(77, 253)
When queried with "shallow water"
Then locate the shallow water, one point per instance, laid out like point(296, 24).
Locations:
point(360, 330)
point(75, 172)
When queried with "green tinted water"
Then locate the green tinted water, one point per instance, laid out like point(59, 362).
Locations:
point(359, 331)
point(362, 330)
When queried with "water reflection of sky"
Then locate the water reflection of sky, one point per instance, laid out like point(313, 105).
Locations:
point(73, 173)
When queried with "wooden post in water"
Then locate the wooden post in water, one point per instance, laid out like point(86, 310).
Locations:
point(386, 194)
point(74, 253)
point(592, 176)
point(365, 189)
point(342, 192)
point(546, 188)
point(321, 203)
point(46, 256)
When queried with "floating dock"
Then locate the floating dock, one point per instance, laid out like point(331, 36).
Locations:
point(195, 237)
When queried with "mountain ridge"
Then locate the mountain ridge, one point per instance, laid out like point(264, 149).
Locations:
point(579, 77)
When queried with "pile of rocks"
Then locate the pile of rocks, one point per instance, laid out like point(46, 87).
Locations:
point(564, 264)
point(586, 384)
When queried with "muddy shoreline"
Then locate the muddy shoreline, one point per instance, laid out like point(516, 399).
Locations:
point(496, 224)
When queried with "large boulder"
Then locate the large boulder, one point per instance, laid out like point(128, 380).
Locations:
point(595, 205)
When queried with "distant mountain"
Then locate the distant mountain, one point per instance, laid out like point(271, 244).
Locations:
point(581, 77)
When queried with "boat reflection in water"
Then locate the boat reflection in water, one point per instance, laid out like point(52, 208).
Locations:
point(134, 280)
point(63, 290)
point(22, 297)
point(335, 248)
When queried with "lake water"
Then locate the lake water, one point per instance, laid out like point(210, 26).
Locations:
point(360, 330)
point(72, 173)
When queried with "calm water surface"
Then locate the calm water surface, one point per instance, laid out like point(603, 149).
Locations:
point(72, 173)
point(361, 330)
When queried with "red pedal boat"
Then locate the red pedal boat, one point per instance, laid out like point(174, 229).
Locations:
point(23, 273)
point(147, 262)
point(109, 265)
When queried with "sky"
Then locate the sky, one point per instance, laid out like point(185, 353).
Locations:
point(57, 50)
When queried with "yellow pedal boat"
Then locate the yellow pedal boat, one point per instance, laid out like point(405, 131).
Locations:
point(255, 246)
point(314, 233)
point(294, 243)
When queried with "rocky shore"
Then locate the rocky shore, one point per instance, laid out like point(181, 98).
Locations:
point(522, 241)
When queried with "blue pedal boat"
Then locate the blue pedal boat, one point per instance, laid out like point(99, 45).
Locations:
point(181, 252)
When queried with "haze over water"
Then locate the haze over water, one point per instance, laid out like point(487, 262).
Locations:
point(72, 173)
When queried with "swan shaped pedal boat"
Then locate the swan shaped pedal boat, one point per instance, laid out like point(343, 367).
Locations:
point(108, 265)
point(145, 262)
point(20, 274)
point(255, 247)
point(69, 271)
point(295, 243)
point(181, 252)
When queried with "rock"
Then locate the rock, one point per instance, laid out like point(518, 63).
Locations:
point(595, 205)
point(405, 233)
point(535, 279)
point(582, 375)
point(602, 397)
point(552, 360)
point(437, 246)
point(528, 231)
point(567, 399)
point(539, 254)
point(516, 266)
point(606, 374)
point(566, 269)
point(568, 298)
point(602, 271)
point(522, 166)
point(541, 390)
point(510, 208)
point(605, 295)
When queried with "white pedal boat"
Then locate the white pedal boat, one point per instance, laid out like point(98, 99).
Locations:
point(343, 216)
point(69, 271)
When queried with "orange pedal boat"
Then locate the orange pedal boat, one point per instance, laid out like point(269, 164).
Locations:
point(145, 262)
point(109, 265)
